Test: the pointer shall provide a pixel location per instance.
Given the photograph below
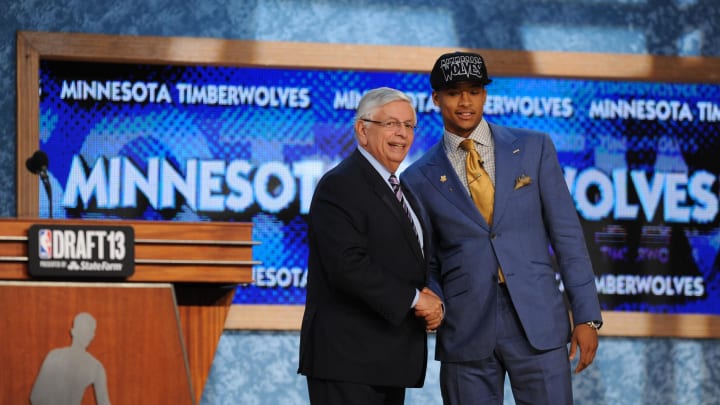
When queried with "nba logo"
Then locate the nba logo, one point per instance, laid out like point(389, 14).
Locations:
point(45, 244)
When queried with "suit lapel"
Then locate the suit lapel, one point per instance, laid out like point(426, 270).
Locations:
point(385, 194)
point(441, 175)
point(418, 213)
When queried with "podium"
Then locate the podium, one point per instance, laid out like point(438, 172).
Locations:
point(156, 331)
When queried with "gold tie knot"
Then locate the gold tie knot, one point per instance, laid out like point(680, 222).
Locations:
point(467, 145)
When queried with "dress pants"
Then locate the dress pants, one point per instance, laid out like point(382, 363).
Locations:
point(328, 392)
point(536, 377)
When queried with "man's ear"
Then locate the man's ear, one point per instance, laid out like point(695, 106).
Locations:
point(361, 133)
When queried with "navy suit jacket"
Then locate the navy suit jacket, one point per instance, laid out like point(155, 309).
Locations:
point(533, 210)
point(364, 266)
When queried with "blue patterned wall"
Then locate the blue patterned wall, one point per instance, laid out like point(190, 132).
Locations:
point(259, 367)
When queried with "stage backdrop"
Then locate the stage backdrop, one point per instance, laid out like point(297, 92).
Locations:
point(147, 131)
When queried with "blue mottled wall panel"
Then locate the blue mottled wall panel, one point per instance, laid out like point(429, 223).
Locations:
point(259, 367)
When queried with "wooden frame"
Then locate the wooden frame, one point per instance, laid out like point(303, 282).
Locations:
point(33, 46)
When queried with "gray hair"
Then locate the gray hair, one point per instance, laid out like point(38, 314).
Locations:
point(376, 98)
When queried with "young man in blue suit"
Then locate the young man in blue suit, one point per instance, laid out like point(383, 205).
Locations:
point(363, 335)
point(504, 310)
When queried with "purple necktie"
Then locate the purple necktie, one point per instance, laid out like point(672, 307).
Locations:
point(395, 183)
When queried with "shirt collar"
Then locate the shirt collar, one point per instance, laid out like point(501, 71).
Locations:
point(481, 135)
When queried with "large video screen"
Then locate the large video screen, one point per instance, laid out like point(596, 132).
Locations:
point(248, 144)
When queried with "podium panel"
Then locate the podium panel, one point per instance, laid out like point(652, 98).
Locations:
point(132, 332)
point(203, 262)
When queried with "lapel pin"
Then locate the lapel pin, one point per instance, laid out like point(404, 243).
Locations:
point(443, 178)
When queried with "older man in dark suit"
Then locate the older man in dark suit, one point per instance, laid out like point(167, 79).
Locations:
point(363, 337)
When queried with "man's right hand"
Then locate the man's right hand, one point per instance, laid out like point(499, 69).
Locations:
point(429, 307)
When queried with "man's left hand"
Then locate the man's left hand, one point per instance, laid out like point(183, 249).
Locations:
point(586, 337)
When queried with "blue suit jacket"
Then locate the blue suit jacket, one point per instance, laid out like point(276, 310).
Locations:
point(528, 219)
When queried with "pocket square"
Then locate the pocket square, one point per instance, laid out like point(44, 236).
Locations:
point(522, 181)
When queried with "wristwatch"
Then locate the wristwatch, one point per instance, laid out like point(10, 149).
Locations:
point(594, 324)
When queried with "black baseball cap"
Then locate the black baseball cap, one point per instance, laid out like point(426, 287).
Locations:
point(458, 67)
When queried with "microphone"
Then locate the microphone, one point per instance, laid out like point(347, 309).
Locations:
point(38, 164)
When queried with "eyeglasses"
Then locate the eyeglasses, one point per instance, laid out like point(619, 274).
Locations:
point(392, 124)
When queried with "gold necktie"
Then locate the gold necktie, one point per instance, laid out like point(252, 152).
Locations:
point(482, 190)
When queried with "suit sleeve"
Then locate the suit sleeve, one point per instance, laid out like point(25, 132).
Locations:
point(566, 237)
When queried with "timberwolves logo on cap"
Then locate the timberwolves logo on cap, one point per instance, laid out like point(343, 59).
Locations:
point(458, 67)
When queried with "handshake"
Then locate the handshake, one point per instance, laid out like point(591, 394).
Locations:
point(429, 307)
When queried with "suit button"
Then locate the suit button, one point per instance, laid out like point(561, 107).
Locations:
point(493, 235)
